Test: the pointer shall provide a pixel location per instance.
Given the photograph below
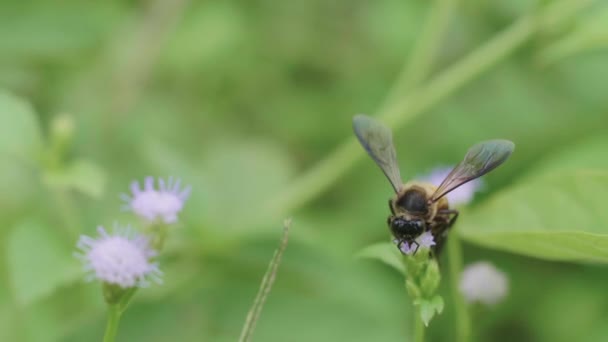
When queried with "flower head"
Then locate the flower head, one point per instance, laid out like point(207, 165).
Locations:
point(482, 282)
point(461, 195)
point(425, 240)
point(162, 204)
point(121, 258)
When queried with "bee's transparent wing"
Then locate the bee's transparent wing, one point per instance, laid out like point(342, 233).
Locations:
point(377, 140)
point(479, 160)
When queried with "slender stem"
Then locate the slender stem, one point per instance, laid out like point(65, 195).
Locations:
point(421, 60)
point(114, 314)
point(462, 315)
point(418, 328)
point(256, 309)
point(318, 179)
point(136, 52)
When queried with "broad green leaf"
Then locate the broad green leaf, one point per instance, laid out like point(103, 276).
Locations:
point(81, 175)
point(385, 252)
point(20, 134)
point(39, 262)
point(583, 155)
point(556, 217)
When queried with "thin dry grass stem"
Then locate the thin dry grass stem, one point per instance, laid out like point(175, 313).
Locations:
point(265, 286)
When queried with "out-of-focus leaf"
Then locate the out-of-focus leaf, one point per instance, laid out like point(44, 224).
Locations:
point(20, 134)
point(385, 252)
point(583, 155)
point(556, 217)
point(39, 262)
point(81, 175)
point(58, 316)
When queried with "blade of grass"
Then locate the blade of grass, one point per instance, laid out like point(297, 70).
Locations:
point(265, 286)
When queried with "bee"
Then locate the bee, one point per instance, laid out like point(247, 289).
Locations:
point(419, 207)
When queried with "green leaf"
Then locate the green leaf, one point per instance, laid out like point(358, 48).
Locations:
point(583, 155)
point(39, 262)
point(557, 217)
point(385, 252)
point(20, 134)
point(81, 175)
point(428, 308)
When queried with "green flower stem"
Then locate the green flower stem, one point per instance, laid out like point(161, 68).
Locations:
point(419, 329)
point(461, 314)
point(318, 179)
point(159, 236)
point(421, 61)
point(114, 313)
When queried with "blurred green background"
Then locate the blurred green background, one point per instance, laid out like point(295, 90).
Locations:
point(241, 98)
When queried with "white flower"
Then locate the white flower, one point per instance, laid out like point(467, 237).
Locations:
point(461, 195)
point(482, 282)
point(162, 204)
point(121, 258)
point(425, 240)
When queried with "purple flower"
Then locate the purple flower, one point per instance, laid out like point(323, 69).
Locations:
point(162, 204)
point(425, 240)
point(461, 195)
point(122, 258)
point(482, 282)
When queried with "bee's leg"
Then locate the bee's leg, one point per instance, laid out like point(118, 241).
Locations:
point(399, 243)
point(417, 246)
point(450, 212)
point(390, 206)
point(441, 230)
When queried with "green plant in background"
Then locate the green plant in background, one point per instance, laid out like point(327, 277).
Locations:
point(236, 98)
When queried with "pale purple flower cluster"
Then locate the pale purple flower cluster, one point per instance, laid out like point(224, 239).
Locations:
point(125, 258)
point(162, 204)
point(425, 240)
point(461, 195)
point(482, 282)
point(122, 258)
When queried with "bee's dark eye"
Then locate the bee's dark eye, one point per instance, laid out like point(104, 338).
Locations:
point(413, 201)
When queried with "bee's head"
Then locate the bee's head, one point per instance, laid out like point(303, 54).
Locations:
point(408, 229)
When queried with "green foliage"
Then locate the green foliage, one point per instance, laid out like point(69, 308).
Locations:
point(556, 212)
point(20, 135)
point(81, 175)
point(557, 218)
point(242, 99)
point(385, 252)
point(429, 308)
point(39, 262)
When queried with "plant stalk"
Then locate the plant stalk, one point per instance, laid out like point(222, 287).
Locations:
point(455, 266)
point(114, 314)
